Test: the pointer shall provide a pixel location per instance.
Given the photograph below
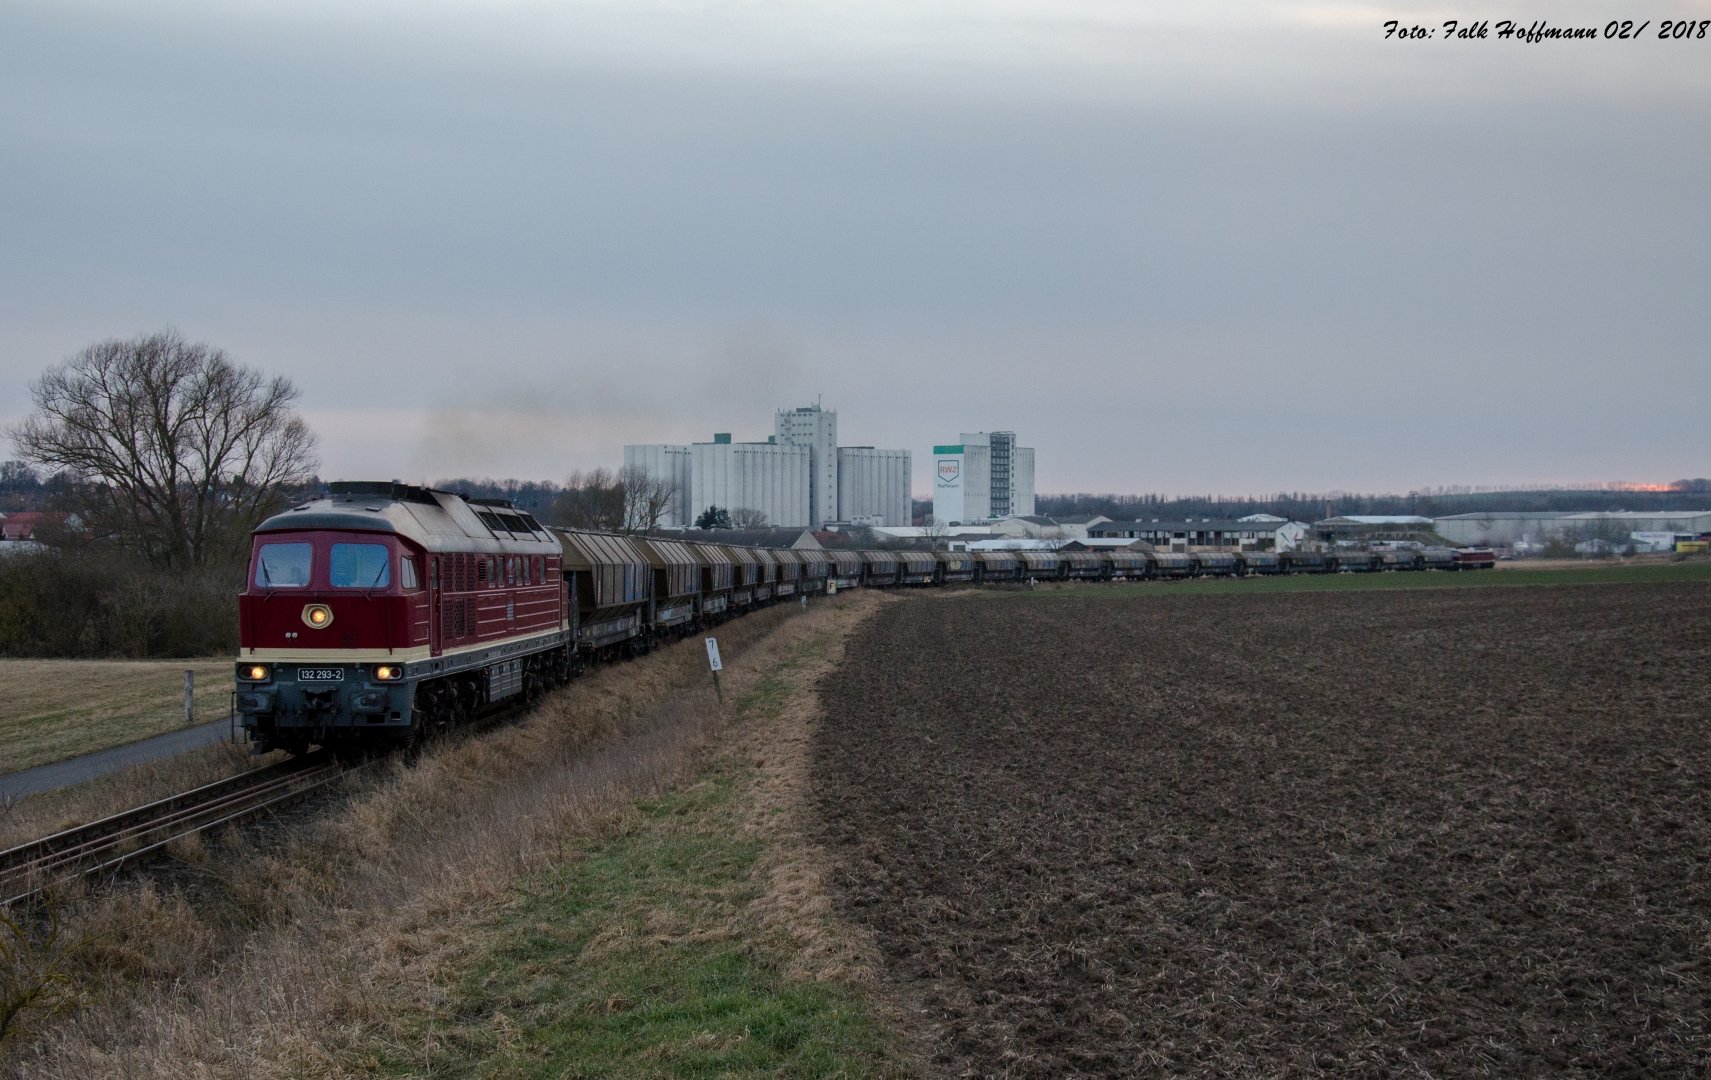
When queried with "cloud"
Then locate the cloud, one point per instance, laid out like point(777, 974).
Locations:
point(1221, 246)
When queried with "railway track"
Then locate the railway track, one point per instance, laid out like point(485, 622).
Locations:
point(132, 836)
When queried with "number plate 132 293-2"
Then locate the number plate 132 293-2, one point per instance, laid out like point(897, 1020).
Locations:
point(320, 674)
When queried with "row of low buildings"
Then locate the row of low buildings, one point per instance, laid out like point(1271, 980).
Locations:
point(1257, 532)
point(799, 477)
point(1518, 533)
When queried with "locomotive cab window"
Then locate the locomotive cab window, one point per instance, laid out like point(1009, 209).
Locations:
point(360, 566)
point(407, 573)
point(283, 566)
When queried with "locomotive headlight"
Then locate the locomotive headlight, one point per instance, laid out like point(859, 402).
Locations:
point(255, 673)
point(317, 616)
point(388, 672)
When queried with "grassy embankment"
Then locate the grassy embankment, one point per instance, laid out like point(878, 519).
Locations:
point(619, 885)
point(51, 710)
point(651, 953)
point(1593, 573)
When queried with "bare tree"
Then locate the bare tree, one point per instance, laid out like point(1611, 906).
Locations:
point(181, 452)
point(646, 498)
point(744, 518)
point(591, 500)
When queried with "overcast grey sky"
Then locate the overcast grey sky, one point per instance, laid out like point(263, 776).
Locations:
point(1177, 247)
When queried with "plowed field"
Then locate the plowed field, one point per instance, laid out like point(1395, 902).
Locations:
point(1444, 833)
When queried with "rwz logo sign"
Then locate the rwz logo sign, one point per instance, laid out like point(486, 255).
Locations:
point(949, 470)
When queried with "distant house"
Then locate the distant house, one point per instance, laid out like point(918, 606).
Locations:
point(24, 525)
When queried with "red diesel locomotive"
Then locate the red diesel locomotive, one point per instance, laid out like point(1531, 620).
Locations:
point(385, 611)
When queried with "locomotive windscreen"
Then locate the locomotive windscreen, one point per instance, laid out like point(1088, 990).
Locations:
point(360, 566)
point(283, 566)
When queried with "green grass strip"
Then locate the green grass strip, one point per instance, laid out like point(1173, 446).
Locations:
point(638, 959)
point(1423, 579)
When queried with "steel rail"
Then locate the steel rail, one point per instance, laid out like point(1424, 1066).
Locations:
point(97, 847)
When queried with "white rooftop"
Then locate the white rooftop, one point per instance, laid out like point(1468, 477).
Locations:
point(912, 531)
point(1020, 545)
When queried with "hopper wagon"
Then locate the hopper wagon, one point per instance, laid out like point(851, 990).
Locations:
point(676, 585)
point(918, 567)
point(1085, 565)
point(746, 572)
point(1256, 563)
point(816, 569)
point(718, 572)
point(1040, 565)
point(1215, 564)
point(880, 569)
point(846, 569)
point(1437, 558)
point(956, 566)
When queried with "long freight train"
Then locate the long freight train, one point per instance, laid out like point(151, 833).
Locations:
point(385, 613)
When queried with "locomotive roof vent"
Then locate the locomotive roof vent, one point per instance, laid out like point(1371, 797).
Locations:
point(387, 490)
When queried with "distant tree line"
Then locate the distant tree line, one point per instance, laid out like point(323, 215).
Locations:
point(629, 500)
point(1305, 506)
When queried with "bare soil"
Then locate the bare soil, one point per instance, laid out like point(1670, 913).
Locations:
point(1439, 833)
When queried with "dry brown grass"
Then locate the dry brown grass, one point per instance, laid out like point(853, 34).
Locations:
point(51, 710)
point(306, 956)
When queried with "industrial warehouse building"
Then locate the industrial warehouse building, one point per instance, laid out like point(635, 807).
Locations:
point(874, 486)
point(1522, 530)
point(799, 478)
point(984, 476)
point(771, 477)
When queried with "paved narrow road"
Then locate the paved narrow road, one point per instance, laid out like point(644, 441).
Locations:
point(89, 766)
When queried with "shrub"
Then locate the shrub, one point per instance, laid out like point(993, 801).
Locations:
point(95, 601)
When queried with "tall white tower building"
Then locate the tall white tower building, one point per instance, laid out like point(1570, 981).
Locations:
point(985, 475)
point(874, 486)
point(817, 429)
point(666, 462)
point(1012, 472)
point(962, 490)
point(770, 476)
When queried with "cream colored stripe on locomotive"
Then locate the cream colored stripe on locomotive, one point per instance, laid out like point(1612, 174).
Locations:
point(383, 656)
point(343, 656)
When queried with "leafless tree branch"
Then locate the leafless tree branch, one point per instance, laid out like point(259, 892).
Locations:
point(182, 452)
